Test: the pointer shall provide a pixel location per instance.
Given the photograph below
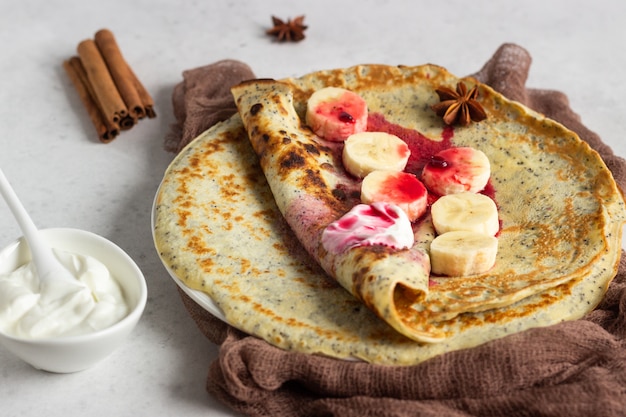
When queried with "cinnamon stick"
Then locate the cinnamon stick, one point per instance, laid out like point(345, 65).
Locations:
point(112, 94)
point(146, 98)
point(75, 71)
point(120, 72)
point(106, 94)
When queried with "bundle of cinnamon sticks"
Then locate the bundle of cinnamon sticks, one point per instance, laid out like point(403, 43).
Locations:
point(112, 94)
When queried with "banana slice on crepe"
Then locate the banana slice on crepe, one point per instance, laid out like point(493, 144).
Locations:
point(371, 151)
point(465, 211)
point(462, 253)
point(400, 188)
point(455, 170)
point(335, 113)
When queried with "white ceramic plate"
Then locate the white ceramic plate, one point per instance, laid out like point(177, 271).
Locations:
point(198, 296)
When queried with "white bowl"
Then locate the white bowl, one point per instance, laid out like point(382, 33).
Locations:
point(76, 353)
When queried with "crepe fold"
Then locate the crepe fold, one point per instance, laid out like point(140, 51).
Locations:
point(575, 368)
point(560, 208)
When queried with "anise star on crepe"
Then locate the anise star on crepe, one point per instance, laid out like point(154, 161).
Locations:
point(291, 30)
point(459, 106)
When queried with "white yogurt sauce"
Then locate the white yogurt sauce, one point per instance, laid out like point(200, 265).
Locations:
point(30, 309)
point(369, 224)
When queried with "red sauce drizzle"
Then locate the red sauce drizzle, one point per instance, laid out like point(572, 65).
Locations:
point(346, 117)
point(448, 133)
point(404, 188)
point(422, 148)
point(347, 222)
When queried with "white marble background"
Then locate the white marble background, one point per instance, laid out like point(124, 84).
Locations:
point(66, 178)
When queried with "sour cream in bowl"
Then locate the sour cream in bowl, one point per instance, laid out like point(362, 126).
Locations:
point(72, 332)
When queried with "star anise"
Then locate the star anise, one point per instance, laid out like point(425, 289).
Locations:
point(459, 106)
point(292, 30)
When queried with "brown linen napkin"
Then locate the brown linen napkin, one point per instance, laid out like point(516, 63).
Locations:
point(574, 368)
point(203, 98)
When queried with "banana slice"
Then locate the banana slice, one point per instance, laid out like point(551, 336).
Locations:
point(372, 151)
point(465, 211)
point(335, 113)
point(462, 253)
point(455, 170)
point(399, 188)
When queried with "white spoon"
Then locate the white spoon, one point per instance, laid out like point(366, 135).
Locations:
point(48, 266)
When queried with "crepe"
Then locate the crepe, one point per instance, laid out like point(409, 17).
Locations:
point(218, 230)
